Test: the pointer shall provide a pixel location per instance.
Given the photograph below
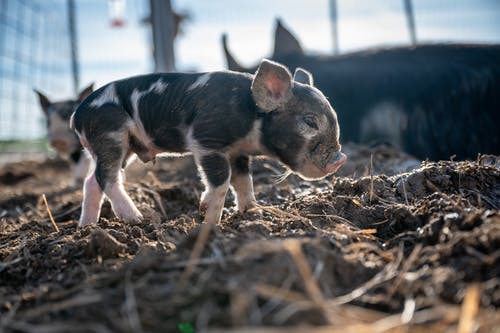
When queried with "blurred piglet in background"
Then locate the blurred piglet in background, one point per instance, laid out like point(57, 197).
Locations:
point(60, 136)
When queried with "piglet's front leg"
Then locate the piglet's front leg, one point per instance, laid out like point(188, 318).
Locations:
point(216, 172)
point(241, 181)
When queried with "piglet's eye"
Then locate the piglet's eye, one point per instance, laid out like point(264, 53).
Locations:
point(311, 122)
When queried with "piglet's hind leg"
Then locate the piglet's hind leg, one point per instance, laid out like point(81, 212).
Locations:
point(122, 204)
point(111, 155)
point(92, 201)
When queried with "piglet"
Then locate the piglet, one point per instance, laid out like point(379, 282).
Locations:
point(222, 118)
point(61, 137)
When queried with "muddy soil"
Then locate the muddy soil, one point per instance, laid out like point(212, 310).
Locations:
point(388, 244)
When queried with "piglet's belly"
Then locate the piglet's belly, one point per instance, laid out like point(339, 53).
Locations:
point(146, 150)
point(145, 154)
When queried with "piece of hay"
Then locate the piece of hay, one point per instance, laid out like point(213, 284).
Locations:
point(50, 213)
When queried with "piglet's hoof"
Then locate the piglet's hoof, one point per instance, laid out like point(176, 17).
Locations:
point(83, 223)
point(87, 220)
point(133, 219)
point(247, 206)
point(130, 215)
point(203, 208)
point(250, 207)
point(253, 211)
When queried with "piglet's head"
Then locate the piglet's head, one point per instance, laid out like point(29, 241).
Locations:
point(300, 127)
point(60, 136)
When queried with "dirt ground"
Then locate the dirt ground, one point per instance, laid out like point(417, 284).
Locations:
point(393, 245)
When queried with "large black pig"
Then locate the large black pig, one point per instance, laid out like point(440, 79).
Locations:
point(433, 100)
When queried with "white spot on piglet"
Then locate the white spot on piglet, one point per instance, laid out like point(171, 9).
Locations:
point(200, 81)
point(157, 87)
point(134, 100)
point(108, 95)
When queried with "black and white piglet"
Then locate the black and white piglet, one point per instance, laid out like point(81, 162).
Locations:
point(60, 136)
point(222, 118)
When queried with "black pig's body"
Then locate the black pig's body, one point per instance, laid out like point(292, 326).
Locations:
point(432, 100)
point(222, 118)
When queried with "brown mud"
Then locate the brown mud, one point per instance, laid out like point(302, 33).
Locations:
point(389, 244)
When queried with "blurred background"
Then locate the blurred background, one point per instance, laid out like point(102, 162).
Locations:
point(60, 46)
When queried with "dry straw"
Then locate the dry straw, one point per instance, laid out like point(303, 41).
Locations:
point(50, 213)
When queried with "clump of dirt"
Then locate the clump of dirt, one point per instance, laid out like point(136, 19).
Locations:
point(102, 244)
point(377, 247)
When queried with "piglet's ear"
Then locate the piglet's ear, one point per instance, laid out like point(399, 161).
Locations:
point(303, 76)
point(85, 92)
point(44, 101)
point(271, 86)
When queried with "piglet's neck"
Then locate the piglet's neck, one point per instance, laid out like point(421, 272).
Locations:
point(266, 131)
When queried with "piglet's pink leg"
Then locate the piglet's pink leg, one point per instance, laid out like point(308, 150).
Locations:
point(92, 201)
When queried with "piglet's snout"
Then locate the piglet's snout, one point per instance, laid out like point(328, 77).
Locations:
point(59, 144)
point(337, 160)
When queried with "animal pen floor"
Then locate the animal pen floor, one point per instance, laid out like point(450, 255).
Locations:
point(398, 252)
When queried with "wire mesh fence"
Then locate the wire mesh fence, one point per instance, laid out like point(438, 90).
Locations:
point(34, 53)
